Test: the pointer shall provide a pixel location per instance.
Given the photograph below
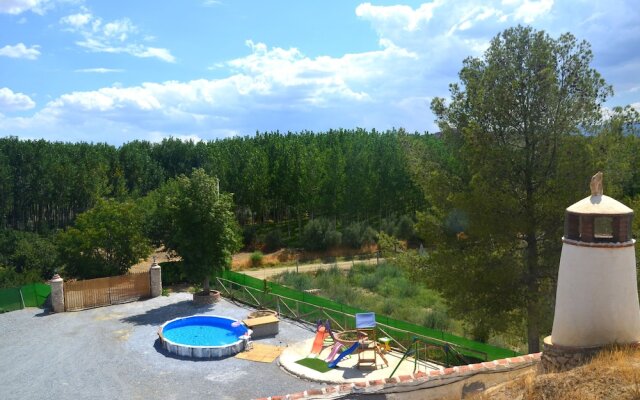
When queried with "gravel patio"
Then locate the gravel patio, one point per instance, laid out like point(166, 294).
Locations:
point(113, 352)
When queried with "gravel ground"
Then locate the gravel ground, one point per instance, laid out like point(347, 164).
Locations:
point(113, 352)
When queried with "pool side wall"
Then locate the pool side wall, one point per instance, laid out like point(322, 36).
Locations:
point(212, 352)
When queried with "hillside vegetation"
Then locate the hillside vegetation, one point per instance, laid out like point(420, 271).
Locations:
point(613, 375)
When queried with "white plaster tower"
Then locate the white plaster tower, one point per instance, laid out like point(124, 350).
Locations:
point(597, 293)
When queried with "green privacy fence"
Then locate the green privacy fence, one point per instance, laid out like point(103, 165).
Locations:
point(310, 307)
point(32, 295)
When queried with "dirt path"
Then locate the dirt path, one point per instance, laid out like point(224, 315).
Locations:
point(266, 273)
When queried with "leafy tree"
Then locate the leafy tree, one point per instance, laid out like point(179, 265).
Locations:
point(616, 144)
point(28, 254)
point(389, 245)
point(35, 253)
point(9, 277)
point(106, 240)
point(513, 160)
point(320, 234)
point(202, 228)
point(358, 234)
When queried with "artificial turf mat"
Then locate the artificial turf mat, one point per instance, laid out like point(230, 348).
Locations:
point(315, 364)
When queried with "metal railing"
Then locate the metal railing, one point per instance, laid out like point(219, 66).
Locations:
point(435, 350)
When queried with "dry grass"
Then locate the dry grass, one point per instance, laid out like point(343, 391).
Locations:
point(242, 260)
point(613, 374)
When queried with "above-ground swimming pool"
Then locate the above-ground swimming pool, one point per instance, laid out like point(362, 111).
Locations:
point(204, 336)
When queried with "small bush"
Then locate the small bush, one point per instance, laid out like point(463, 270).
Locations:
point(273, 240)
point(295, 280)
point(358, 234)
point(173, 272)
point(249, 236)
point(436, 319)
point(320, 234)
point(256, 258)
point(405, 228)
point(332, 238)
point(370, 281)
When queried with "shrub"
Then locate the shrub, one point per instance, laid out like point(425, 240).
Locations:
point(370, 281)
point(295, 280)
point(10, 278)
point(332, 238)
point(320, 234)
point(173, 272)
point(273, 240)
point(436, 319)
point(388, 225)
point(405, 228)
point(313, 235)
point(256, 258)
point(249, 236)
point(358, 234)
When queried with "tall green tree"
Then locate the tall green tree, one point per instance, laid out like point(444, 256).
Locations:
point(105, 240)
point(513, 160)
point(202, 228)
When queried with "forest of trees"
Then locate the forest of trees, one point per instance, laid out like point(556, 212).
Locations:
point(345, 175)
point(343, 178)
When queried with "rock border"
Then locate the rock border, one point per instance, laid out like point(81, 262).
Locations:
point(201, 299)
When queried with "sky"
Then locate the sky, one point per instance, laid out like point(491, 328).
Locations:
point(116, 71)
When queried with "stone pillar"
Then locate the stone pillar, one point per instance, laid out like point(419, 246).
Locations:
point(57, 293)
point(155, 274)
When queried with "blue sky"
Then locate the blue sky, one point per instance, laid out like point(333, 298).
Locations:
point(114, 71)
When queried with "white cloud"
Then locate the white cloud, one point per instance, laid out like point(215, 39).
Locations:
point(16, 7)
point(76, 20)
point(20, 51)
point(211, 3)
point(117, 36)
point(156, 52)
point(99, 70)
point(10, 101)
point(266, 88)
point(398, 16)
point(530, 10)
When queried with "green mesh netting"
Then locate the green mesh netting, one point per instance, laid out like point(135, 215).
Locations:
point(10, 300)
point(32, 295)
point(263, 291)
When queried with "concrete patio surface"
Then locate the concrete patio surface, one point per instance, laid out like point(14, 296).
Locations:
point(113, 352)
point(346, 371)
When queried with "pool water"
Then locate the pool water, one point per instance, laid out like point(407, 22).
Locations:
point(204, 331)
point(201, 335)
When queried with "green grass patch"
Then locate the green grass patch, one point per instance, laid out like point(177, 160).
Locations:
point(315, 364)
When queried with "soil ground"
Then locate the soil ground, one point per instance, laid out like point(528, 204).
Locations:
point(114, 353)
point(272, 262)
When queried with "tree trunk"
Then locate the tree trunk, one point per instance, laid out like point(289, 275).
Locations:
point(533, 330)
point(533, 308)
point(205, 286)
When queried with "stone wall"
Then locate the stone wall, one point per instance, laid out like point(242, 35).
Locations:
point(558, 358)
point(420, 383)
